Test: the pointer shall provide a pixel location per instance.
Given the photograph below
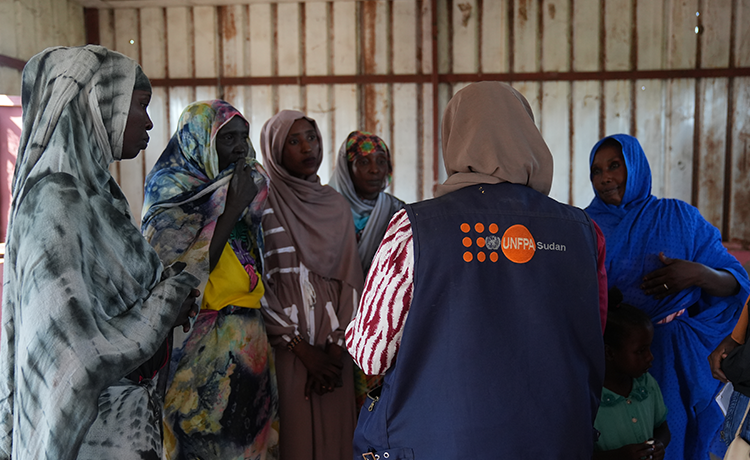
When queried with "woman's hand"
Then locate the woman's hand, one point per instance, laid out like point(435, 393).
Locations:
point(679, 274)
point(631, 452)
point(188, 310)
point(676, 275)
point(718, 355)
point(323, 369)
point(242, 189)
point(659, 450)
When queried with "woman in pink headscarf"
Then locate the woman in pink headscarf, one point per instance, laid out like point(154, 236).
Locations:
point(313, 268)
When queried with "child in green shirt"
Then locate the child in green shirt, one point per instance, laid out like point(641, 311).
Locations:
point(632, 417)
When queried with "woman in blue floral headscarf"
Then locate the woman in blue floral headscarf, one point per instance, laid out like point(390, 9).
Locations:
point(203, 205)
point(668, 261)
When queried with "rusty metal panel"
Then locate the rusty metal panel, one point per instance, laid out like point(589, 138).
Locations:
point(740, 174)
point(692, 128)
point(29, 26)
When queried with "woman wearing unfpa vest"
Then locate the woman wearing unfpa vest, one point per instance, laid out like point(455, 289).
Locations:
point(505, 293)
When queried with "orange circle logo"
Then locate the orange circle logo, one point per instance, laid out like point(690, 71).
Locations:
point(465, 228)
point(480, 256)
point(468, 256)
point(479, 227)
point(467, 241)
point(493, 228)
point(518, 244)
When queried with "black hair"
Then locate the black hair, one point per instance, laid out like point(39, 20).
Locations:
point(621, 319)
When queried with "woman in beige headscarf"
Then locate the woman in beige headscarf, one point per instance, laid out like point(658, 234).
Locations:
point(462, 288)
point(313, 268)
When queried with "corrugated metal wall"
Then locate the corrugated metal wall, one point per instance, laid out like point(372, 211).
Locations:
point(675, 73)
point(29, 26)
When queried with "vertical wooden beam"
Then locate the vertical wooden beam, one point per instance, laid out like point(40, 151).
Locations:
point(729, 145)
point(435, 98)
point(91, 23)
point(698, 107)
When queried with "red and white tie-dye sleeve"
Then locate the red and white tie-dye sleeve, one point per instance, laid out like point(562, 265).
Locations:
point(374, 336)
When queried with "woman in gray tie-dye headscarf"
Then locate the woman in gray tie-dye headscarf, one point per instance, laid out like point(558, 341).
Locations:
point(86, 304)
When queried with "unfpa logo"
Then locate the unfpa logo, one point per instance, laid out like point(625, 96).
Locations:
point(516, 243)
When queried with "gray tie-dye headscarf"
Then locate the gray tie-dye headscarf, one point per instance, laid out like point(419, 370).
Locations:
point(84, 303)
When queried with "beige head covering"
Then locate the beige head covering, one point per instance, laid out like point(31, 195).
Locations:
point(316, 216)
point(489, 137)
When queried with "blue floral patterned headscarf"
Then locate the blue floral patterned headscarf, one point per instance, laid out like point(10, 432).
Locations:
point(185, 192)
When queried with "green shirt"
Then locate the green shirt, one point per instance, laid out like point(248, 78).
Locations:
point(622, 421)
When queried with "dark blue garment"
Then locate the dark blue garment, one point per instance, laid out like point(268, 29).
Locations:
point(498, 359)
point(636, 232)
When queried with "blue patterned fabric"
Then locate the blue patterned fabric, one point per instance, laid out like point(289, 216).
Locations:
point(636, 231)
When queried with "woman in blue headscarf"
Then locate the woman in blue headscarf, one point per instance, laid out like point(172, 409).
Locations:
point(669, 261)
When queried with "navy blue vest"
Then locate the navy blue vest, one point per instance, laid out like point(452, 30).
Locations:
point(502, 354)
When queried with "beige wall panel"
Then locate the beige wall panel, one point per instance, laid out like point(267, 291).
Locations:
point(153, 51)
point(107, 28)
point(59, 32)
point(127, 40)
point(45, 23)
point(444, 39)
point(618, 26)
point(232, 21)
point(132, 172)
point(240, 97)
point(651, 32)
point(428, 163)
point(288, 30)
point(317, 55)
point(556, 132)
point(712, 148)
point(716, 16)
point(289, 98)
point(153, 61)
point(586, 133)
point(344, 38)
point(261, 40)
point(681, 37)
point(204, 93)
point(319, 109)
point(426, 39)
point(178, 98)
point(494, 36)
point(526, 31)
point(179, 36)
point(444, 95)
point(650, 128)
point(403, 146)
point(26, 21)
point(555, 41)
point(465, 45)
point(742, 42)
point(344, 114)
point(404, 38)
point(530, 91)
point(617, 107)
point(160, 134)
point(262, 110)
point(205, 42)
point(740, 204)
point(586, 41)
point(10, 79)
point(679, 136)
point(76, 27)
